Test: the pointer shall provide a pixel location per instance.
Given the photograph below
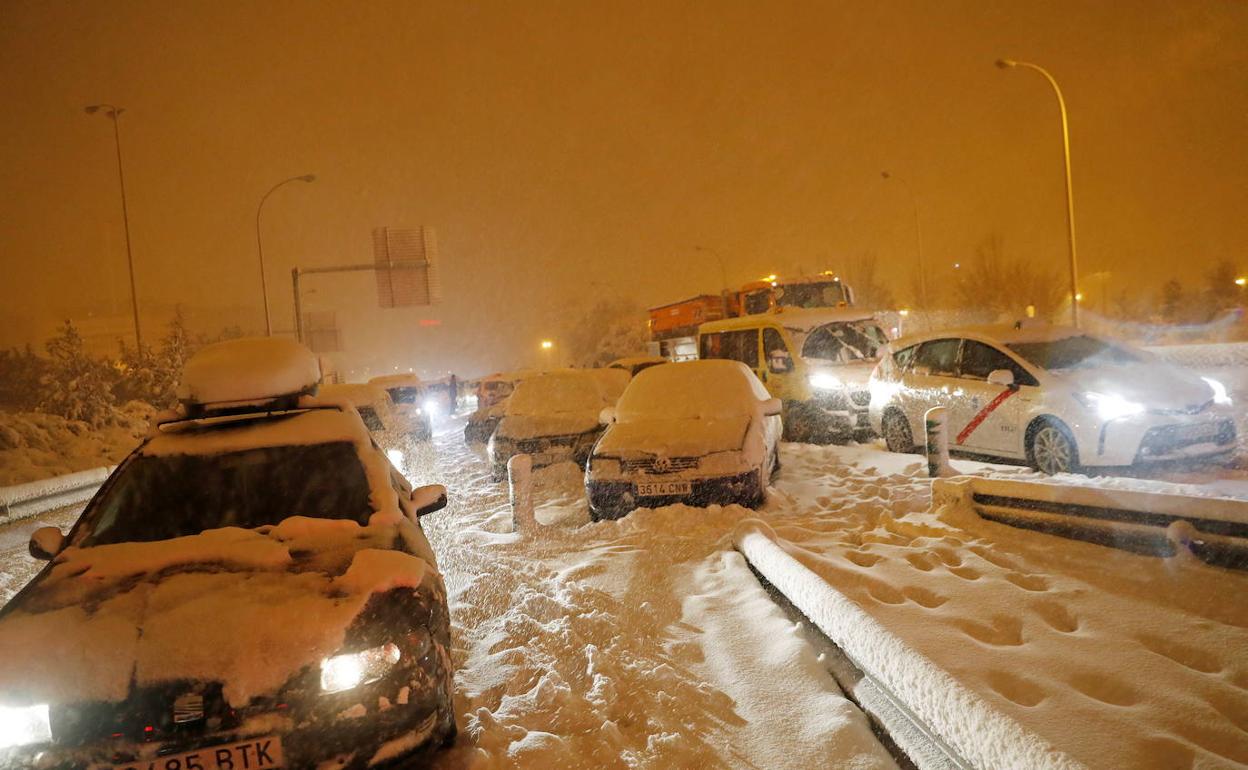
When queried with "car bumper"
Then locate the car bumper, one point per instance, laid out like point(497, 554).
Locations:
point(1157, 439)
point(611, 499)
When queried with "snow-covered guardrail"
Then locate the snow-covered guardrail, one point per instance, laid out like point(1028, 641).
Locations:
point(1154, 523)
point(972, 727)
point(22, 501)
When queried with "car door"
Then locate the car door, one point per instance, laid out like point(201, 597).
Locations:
point(931, 380)
point(989, 418)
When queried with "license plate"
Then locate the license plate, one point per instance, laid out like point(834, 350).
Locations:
point(255, 754)
point(661, 488)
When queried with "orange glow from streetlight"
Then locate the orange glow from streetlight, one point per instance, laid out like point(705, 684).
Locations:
point(547, 344)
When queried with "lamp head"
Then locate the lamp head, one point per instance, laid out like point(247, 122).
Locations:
point(307, 178)
point(886, 175)
point(1006, 63)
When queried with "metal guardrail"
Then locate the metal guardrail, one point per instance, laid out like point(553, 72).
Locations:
point(1213, 529)
point(22, 501)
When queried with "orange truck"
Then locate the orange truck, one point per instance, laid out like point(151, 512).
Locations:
point(674, 327)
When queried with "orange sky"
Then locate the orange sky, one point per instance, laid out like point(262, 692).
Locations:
point(559, 147)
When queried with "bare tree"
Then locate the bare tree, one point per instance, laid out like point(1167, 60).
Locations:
point(869, 291)
point(991, 285)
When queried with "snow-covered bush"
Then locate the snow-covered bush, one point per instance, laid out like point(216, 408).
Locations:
point(76, 386)
point(152, 375)
point(607, 330)
point(20, 375)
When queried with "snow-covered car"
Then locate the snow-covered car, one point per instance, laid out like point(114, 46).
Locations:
point(698, 432)
point(407, 393)
point(816, 361)
point(1056, 398)
point(553, 418)
point(492, 394)
point(251, 588)
point(376, 411)
point(634, 365)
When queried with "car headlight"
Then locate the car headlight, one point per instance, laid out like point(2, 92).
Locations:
point(825, 381)
point(343, 672)
point(1109, 406)
point(1220, 393)
point(431, 407)
point(21, 725)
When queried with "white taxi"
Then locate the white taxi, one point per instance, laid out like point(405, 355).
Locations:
point(1056, 398)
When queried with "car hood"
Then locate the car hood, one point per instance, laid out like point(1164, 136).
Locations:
point(523, 426)
point(673, 438)
point(1155, 385)
point(248, 609)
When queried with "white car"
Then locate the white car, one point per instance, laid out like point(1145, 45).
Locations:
point(1056, 398)
point(553, 418)
point(699, 432)
point(407, 393)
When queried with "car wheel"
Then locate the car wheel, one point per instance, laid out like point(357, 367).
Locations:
point(897, 436)
point(1052, 450)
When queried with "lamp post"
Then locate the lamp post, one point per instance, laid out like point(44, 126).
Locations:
point(264, 291)
point(115, 113)
point(918, 236)
point(1070, 200)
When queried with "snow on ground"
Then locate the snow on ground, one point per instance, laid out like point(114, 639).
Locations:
point(644, 642)
point(1115, 659)
point(36, 446)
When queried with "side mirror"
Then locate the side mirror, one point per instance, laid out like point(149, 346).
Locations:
point(1003, 377)
point(606, 416)
point(428, 499)
point(772, 407)
point(46, 543)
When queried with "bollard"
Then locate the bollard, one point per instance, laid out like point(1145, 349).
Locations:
point(520, 481)
point(937, 443)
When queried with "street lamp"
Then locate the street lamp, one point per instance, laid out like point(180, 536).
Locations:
point(115, 113)
point(264, 291)
point(1070, 200)
point(918, 236)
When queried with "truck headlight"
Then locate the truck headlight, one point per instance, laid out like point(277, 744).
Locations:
point(1109, 406)
point(343, 672)
point(825, 381)
point(21, 725)
point(1220, 393)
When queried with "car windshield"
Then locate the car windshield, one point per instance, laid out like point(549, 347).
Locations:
point(407, 394)
point(689, 391)
point(1082, 352)
point(158, 497)
point(845, 342)
point(822, 294)
point(555, 394)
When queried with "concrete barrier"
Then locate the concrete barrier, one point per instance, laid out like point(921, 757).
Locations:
point(22, 501)
point(520, 482)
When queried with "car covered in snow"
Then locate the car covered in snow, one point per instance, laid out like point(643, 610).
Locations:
point(407, 393)
point(553, 417)
point(1055, 397)
point(375, 409)
point(696, 432)
point(816, 361)
point(251, 588)
point(492, 393)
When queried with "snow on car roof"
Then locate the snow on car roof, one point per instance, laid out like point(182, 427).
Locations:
point(396, 381)
point(249, 369)
point(1005, 334)
point(570, 390)
point(355, 393)
point(706, 390)
point(630, 361)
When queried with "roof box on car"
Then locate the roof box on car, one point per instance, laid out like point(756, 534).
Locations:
point(250, 374)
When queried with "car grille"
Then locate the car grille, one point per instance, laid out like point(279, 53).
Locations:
point(860, 397)
point(1189, 409)
point(543, 444)
point(1166, 439)
point(658, 465)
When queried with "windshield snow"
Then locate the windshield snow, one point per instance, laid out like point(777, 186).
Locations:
point(823, 294)
point(845, 342)
point(555, 394)
point(697, 390)
point(1081, 352)
point(166, 496)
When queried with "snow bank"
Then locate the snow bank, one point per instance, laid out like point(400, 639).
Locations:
point(1207, 356)
point(37, 446)
point(977, 731)
point(1081, 645)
